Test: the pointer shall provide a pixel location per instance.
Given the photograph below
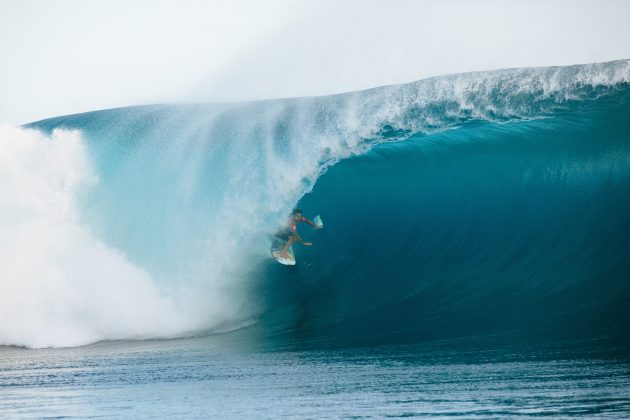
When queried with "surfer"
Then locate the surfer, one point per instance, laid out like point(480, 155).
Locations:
point(290, 233)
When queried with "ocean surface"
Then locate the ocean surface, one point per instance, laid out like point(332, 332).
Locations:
point(475, 259)
point(197, 378)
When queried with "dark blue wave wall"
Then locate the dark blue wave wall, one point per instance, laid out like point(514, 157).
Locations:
point(520, 230)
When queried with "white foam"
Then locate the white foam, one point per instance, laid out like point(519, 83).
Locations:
point(59, 285)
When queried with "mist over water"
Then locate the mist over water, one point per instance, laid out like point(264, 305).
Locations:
point(161, 215)
point(61, 285)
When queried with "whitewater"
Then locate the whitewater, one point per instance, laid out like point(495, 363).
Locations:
point(469, 205)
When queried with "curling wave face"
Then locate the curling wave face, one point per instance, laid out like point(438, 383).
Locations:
point(466, 204)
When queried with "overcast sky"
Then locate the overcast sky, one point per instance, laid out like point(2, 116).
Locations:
point(66, 56)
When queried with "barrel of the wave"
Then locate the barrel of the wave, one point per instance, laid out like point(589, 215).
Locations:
point(514, 230)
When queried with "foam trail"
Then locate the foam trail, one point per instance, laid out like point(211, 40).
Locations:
point(60, 285)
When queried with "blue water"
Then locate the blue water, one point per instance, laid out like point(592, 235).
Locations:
point(198, 378)
point(475, 259)
point(520, 229)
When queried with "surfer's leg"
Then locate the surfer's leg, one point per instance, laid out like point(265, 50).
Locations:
point(286, 246)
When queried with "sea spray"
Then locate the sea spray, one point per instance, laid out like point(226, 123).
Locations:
point(60, 285)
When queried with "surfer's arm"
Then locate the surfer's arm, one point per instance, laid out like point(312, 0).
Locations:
point(310, 222)
point(299, 239)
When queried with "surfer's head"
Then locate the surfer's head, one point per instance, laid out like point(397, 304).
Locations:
point(296, 211)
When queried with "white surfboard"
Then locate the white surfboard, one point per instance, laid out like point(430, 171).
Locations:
point(276, 247)
point(318, 221)
point(284, 260)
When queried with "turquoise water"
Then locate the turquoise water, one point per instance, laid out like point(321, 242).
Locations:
point(474, 262)
point(197, 378)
